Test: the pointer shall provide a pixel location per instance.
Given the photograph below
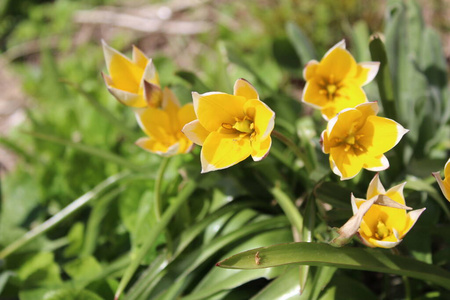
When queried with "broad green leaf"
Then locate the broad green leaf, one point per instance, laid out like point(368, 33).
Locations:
point(383, 78)
point(85, 268)
point(75, 237)
point(195, 82)
point(301, 43)
point(316, 254)
point(285, 55)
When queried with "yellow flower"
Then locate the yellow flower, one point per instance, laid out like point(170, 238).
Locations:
point(444, 184)
point(230, 128)
point(384, 226)
point(163, 126)
point(126, 77)
point(335, 83)
point(356, 138)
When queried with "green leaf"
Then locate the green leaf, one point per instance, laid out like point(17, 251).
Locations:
point(383, 78)
point(285, 54)
point(84, 268)
point(108, 156)
point(75, 237)
point(344, 287)
point(195, 82)
point(316, 254)
point(301, 43)
point(71, 294)
point(217, 280)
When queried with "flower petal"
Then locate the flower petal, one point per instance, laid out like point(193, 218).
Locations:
point(313, 96)
point(372, 68)
point(337, 65)
point(348, 163)
point(157, 147)
point(214, 109)
point(376, 164)
point(261, 149)
point(139, 58)
point(263, 117)
point(152, 94)
point(150, 74)
point(375, 187)
point(155, 123)
point(124, 97)
point(124, 73)
point(381, 134)
point(310, 69)
point(221, 151)
point(245, 89)
point(186, 114)
point(195, 132)
point(340, 45)
point(444, 185)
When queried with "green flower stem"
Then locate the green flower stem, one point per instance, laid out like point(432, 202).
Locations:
point(62, 215)
point(158, 184)
point(173, 208)
point(297, 151)
point(290, 210)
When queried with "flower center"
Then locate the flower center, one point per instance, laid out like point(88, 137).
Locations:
point(329, 87)
point(382, 230)
point(351, 142)
point(245, 127)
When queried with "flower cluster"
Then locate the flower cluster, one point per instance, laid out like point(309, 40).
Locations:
point(356, 138)
point(135, 83)
point(230, 128)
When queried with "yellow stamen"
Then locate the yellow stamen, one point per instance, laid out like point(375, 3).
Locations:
point(382, 230)
point(244, 126)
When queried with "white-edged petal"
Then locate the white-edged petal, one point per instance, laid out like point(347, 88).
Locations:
point(373, 67)
point(340, 44)
point(384, 165)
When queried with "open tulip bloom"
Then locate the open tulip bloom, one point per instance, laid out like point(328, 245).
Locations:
point(126, 77)
point(230, 128)
point(335, 83)
point(384, 226)
point(444, 184)
point(357, 138)
point(163, 126)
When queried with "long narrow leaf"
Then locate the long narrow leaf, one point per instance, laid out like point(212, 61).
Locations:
point(317, 254)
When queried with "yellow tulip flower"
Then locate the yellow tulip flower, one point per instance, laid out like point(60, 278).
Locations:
point(356, 138)
point(384, 226)
point(444, 184)
point(335, 83)
point(163, 126)
point(230, 128)
point(126, 77)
